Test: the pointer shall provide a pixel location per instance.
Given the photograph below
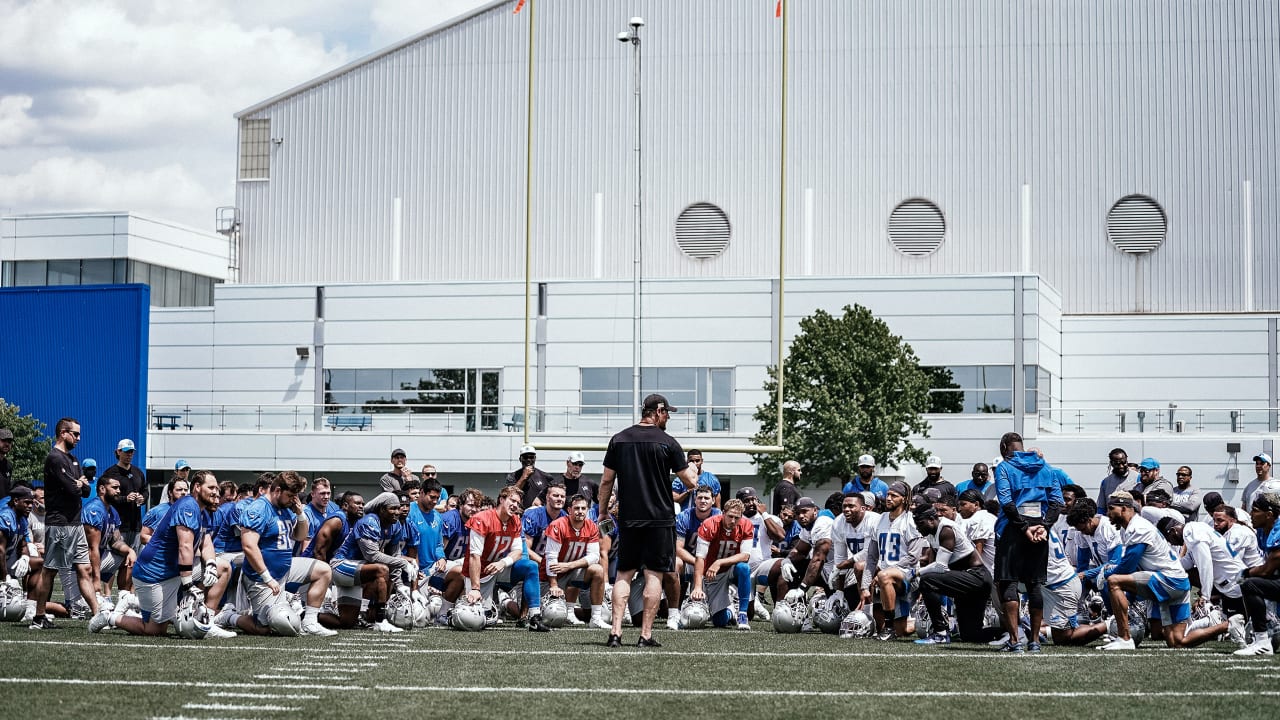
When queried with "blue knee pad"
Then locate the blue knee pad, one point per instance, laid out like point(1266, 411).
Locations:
point(742, 578)
point(525, 571)
point(722, 618)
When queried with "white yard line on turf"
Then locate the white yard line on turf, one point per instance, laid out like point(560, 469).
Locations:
point(310, 676)
point(238, 708)
point(262, 696)
point(313, 664)
point(186, 717)
point(897, 694)
point(178, 684)
point(991, 655)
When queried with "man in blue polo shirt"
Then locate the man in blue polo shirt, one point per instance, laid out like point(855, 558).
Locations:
point(866, 479)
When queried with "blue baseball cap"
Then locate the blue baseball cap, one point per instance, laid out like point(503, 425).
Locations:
point(1149, 464)
point(89, 463)
point(181, 464)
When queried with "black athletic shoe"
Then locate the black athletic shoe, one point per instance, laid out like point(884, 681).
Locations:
point(535, 624)
point(41, 623)
point(648, 642)
point(614, 641)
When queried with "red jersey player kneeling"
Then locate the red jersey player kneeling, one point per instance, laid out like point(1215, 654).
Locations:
point(724, 548)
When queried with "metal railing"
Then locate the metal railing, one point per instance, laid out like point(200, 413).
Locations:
point(1169, 420)
point(437, 418)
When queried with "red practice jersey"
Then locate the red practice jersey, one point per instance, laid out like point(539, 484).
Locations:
point(497, 537)
point(573, 544)
point(721, 544)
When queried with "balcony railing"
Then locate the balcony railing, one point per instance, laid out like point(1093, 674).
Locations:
point(437, 418)
point(1181, 419)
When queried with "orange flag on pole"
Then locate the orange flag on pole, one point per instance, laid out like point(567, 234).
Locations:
point(777, 12)
point(520, 6)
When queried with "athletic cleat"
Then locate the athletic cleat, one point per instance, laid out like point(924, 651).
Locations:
point(128, 601)
point(1013, 647)
point(535, 624)
point(600, 623)
point(673, 621)
point(614, 641)
point(41, 623)
point(1033, 647)
point(1119, 644)
point(647, 642)
point(80, 610)
point(1000, 641)
point(1260, 646)
point(743, 622)
point(574, 621)
point(225, 617)
point(887, 636)
point(1238, 630)
point(385, 626)
point(315, 628)
point(100, 622)
point(761, 614)
point(938, 638)
point(218, 633)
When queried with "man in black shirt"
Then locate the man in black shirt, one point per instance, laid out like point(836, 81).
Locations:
point(641, 460)
point(133, 492)
point(6, 467)
point(933, 479)
point(532, 482)
point(65, 545)
point(786, 492)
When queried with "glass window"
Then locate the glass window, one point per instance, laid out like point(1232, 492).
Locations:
point(187, 296)
point(970, 389)
point(64, 272)
point(6, 273)
point(172, 287)
point(204, 291)
point(157, 283)
point(120, 271)
point(30, 272)
point(97, 272)
point(255, 149)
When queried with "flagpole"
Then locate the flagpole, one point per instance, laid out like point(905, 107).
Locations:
point(528, 215)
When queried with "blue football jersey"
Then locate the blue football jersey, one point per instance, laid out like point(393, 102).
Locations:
point(370, 527)
point(455, 535)
point(316, 518)
point(159, 559)
point(275, 536)
point(226, 526)
point(427, 526)
point(15, 531)
point(97, 514)
point(155, 515)
point(534, 524)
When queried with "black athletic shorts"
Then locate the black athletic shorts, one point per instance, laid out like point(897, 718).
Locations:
point(1017, 558)
point(651, 548)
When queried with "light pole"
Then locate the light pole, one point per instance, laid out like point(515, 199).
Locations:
point(632, 36)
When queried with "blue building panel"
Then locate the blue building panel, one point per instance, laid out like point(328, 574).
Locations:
point(80, 351)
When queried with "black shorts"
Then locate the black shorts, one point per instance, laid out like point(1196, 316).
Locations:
point(651, 548)
point(1017, 558)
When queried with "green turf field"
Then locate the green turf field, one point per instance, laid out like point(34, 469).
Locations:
point(511, 673)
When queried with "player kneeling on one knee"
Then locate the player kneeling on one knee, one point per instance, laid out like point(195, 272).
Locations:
point(724, 547)
point(269, 528)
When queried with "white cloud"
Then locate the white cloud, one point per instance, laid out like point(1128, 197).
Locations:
point(16, 126)
point(127, 104)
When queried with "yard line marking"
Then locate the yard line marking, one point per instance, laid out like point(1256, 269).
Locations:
point(185, 717)
point(148, 646)
point(175, 684)
point(313, 664)
point(310, 677)
point(839, 693)
point(223, 706)
point(991, 655)
point(262, 696)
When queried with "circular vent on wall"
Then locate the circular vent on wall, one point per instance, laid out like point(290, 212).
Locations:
point(702, 231)
point(1136, 224)
point(916, 227)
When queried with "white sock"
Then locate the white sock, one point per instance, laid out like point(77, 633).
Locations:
point(535, 611)
point(309, 614)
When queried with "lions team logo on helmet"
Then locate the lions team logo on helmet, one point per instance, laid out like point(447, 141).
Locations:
point(467, 616)
point(694, 614)
point(555, 611)
point(857, 624)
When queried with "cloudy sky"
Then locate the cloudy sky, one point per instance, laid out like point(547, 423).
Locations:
point(127, 104)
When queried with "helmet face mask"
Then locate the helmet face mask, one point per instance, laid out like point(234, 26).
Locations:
point(694, 614)
point(857, 624)
point(467, 616)
point(400, 611)
point(193, 618)
point(789, 616)
point(284, 621)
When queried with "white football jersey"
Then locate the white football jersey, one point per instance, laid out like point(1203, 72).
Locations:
point(1158, 556)
point(761, 549)
point(1066, 537)
point(1243, 543)
point(820, 531)
point(896, 538)
point(1101, 543)
point(1207, 552)
point(1060, 568)
point(982, 526)
point(964, 546)
point(849, 540)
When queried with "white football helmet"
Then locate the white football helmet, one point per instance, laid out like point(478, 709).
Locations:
point(555, 611)
point(400, 611)
point(434, 603)
point(694, 614)
point(789, 615)
point(193, 618)
point(13, 602)
point(857, 624)
point(284, 621)
point(467, 616)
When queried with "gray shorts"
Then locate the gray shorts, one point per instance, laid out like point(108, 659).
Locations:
point(65, 547)
point(261, 599)
point(108, 567)
point(159, 601)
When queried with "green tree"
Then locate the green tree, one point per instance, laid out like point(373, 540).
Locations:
point(852, 387)
point(30, 445)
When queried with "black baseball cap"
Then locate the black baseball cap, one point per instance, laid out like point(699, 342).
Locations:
point(398, 451)
point(747, 492)
point(658, 402)
point(1212, 501)
point(805, 502)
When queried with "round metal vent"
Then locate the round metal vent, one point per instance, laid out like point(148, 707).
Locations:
point(916, 227)
point(1136, 224)
point(702, 231)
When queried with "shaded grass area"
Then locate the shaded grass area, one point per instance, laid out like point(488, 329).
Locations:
point(509, 672)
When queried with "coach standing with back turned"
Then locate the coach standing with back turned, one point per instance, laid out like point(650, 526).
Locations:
point(641, 459)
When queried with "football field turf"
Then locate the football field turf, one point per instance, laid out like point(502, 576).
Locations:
point(507, 672)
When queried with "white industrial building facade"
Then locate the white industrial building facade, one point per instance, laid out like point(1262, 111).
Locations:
point(1072, 205)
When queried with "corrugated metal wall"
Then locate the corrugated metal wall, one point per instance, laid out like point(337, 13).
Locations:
point(961, 103)
point(79, 352)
